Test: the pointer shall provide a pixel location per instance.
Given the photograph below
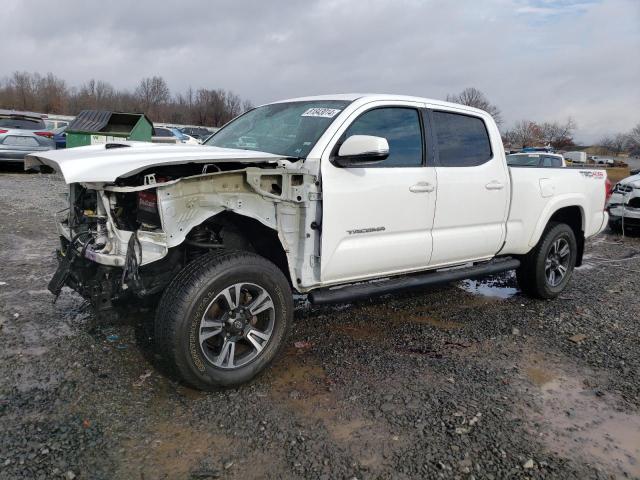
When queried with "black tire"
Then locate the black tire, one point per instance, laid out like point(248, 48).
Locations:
point(533, 276)
point(615, 226)
point(195, 292)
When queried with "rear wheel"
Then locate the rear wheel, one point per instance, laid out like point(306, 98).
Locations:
point(547, 269)
point(223, 319)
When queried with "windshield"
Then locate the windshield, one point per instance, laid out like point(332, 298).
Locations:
point(289, 129)
point(523, 160)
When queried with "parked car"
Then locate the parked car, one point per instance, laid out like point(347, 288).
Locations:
point(22, 133)
point(319, 196)
point(171, 135)
point(184, 138)
point(199, 133)
point(536, 160)
point(624, 204)
point(164, 135)
point(60, 137)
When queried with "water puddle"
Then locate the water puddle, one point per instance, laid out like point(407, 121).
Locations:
point(584, 426)
point(539, 376)
point(503, 286)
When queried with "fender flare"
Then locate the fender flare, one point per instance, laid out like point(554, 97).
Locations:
point(557, 203)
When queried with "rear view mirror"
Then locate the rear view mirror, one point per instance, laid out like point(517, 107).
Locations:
point(362, 150)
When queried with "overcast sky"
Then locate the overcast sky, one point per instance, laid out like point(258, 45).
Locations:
point(535, 59)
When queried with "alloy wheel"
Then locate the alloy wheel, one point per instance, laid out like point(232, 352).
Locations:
point(237, 325)
point(557, 262)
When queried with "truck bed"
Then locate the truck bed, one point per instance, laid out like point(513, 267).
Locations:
point(538, 192)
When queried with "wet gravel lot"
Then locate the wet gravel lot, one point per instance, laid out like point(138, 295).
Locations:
point(468, 381)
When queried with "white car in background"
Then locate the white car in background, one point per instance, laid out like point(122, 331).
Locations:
point(624, 204)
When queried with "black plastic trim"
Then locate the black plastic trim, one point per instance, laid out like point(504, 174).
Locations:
point(375, 288)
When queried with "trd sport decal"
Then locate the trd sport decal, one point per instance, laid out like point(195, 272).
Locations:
point(592, 173)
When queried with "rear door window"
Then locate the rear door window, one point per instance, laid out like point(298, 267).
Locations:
point(462, 140)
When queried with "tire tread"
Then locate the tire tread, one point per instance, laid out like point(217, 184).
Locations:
point(177, 298)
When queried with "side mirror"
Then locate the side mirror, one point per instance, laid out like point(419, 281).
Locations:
point(362, 150)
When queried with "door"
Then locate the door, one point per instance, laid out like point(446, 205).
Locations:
point(473, 189)
point(377, 218)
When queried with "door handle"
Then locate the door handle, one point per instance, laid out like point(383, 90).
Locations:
point(421, 187)
point(494, 185)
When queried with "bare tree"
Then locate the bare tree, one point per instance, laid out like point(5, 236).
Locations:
point(523, 134)
point(49, 94)
point(556, 134)
point(23, 90)
point(246, 106)
point(605, 145)
point(473, 97)
point(527, 133)
point(152, 92)
point(619, 143)
point(633, 141)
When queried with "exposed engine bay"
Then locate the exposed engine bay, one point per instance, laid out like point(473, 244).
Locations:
point(130, 238)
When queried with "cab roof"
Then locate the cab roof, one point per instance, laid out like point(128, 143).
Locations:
point(371, 97)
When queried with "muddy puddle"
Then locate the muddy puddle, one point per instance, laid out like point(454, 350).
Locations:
point(581, 423)
point(301, 385)
point(173, 451)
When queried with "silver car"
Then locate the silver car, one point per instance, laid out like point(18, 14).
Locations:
point(22, 133)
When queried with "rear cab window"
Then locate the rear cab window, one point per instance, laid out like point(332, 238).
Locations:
point(461, 140)
point(523, 160)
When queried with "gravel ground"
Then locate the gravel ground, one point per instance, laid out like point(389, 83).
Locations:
point(468, 381)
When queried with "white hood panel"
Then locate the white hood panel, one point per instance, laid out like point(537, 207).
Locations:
point(98, 164)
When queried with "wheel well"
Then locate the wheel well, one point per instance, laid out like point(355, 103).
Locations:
point(245, 233)
point(572, 216)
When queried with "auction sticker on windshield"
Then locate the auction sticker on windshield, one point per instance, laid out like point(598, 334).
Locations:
point(321, 112)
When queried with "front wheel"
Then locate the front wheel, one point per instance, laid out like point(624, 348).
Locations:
point(547, 269)
point(223, 319)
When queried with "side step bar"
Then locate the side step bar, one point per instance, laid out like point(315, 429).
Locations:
point(375, 288)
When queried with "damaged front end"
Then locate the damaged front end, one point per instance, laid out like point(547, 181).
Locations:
point(126, 240)
point(110, 244)
point(624, 204)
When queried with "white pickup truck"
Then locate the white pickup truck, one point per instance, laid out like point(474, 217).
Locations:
point(343, 197)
